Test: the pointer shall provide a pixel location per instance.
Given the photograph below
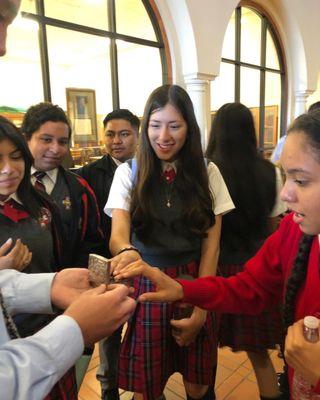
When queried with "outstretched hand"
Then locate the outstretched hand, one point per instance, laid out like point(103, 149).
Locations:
point(67, 286)
point(123, 259)
point(100, 311)
point(167, 289)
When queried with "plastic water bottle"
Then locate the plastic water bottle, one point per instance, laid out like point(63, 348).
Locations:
point(301, 389)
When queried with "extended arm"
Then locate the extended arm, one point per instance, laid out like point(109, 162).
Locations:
point(30, 367)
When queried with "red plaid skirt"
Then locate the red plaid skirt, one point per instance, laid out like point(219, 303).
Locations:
point(65, 388)
point(149, 354)
point(248, 332)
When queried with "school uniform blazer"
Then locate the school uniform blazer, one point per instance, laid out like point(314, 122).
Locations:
point(262, 282)
point(30, 367)
point(99, 174)
point(85, 237)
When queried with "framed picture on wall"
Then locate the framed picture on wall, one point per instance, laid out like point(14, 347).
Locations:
point(81, 109)
point(270, 124)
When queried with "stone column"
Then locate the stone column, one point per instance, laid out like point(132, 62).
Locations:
point(198, 88)
point(301, 97)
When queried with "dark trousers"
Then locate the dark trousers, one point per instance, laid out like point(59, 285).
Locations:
point(109, 349)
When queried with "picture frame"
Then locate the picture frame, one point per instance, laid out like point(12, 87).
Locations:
point(270, 124)
point(81, 109)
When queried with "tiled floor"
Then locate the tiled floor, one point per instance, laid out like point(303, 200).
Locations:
point(235, 379)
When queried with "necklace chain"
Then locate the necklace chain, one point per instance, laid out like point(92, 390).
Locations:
point(168, 193)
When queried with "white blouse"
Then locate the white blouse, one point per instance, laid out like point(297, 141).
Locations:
point(120, 192)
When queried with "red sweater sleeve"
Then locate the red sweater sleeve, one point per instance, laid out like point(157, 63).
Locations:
point(316, 388)
point(250, 291)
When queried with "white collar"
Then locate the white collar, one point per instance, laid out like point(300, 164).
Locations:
point(165, 165)
point(117, 162)
point(13, 196)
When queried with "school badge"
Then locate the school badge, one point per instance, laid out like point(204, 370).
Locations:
point(67, 203)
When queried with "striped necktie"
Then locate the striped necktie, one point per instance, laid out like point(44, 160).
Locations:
point(38, 184)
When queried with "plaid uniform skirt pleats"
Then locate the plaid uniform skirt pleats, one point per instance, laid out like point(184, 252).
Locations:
point(149, 354)
point(65, 388)
point(247, 332)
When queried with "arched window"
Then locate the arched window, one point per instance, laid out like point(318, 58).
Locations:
point(252, 72)
point(109, 53)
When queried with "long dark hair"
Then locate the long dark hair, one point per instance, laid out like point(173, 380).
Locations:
point(191, 183)
point(250, 179)
point(31, 199)
point(308, 125)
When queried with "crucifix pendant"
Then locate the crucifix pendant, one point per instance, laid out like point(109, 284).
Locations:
point(168, 204)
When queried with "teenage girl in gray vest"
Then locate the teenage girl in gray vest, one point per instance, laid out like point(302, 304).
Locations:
point(29, 216)
point(167, 210)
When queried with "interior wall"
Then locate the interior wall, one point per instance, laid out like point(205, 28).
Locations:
point(196, 32)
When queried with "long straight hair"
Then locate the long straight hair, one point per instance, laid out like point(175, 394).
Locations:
point(191, 183)
point(31, 199)
point(251, 180)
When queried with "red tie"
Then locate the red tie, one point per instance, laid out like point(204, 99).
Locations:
point(12, 210)
point(169, 174)
point(38, 184)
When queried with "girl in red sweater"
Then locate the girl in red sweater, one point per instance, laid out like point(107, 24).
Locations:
point(287, 265)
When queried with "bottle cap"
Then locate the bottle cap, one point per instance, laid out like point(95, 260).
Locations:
point(311, 322)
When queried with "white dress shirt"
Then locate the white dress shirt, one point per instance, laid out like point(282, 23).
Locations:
point(30, 367)
point(120, 192)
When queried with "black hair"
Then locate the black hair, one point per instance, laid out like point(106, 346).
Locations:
point(125, 114)
point(251, 180)
point(315, 106)
point(39, 114)
point(29, 196)
point(191, 183)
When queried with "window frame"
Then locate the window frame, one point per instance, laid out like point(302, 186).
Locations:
point(266, 25)
point(45, 21)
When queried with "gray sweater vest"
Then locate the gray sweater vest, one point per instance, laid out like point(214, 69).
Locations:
point(168, 245)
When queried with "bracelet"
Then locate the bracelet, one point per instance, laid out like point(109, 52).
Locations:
point(129, 249)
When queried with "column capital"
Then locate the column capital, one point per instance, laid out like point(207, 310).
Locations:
point(198, 77)
point(302, 95)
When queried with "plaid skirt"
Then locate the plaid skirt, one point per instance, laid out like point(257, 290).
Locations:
point(149, 354)
point(244, 332)
point(65, 388)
